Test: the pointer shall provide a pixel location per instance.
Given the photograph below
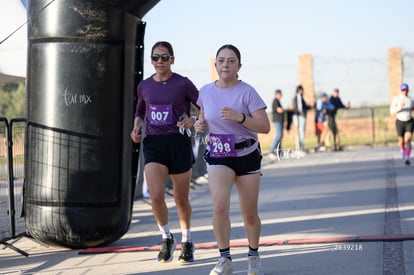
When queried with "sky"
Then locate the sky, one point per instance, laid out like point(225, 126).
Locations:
point(348, 40)
point(13, 38)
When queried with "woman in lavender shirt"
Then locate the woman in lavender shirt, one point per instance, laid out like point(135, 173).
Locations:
point(234, 113)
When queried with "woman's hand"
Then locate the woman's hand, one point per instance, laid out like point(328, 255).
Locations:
point(200, 125)
point(185, 122)
point(227, 113)
point(135, 135)
point(136, 132)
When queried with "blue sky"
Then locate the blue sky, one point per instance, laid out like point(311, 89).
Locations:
point(349, 41)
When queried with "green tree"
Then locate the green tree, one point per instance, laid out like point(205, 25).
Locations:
point(12, 99)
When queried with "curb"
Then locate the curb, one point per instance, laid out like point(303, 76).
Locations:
point(213, 245)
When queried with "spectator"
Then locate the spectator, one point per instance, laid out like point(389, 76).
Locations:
point(323, 107)
point(336, 101)
point(300, 109)
point(278, 121)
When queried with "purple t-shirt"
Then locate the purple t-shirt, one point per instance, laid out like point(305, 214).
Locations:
point(162, 103)
point(242, 98)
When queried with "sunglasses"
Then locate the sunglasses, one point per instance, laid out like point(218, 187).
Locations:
point(164, 57)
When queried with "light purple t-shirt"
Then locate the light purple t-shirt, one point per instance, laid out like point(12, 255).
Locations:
point(162, 103)
point(242, 98)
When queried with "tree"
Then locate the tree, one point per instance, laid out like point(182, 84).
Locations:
point(12, 99)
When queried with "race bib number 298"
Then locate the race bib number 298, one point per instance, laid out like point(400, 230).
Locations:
point(222, 146)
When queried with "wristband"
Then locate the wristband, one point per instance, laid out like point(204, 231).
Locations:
point(244, 118)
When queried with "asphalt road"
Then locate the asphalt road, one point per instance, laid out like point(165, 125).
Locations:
point(348, 212)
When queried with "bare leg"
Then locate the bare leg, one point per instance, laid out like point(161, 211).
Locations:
point(156, 175)
point(407, 143)
point(181, 183)
point(248, 190)
point(221, 179)
point(401, 144)
point(323, 134)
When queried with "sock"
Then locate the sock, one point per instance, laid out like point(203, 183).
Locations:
point(185, 235)
point(402, 149)
point(225, 253)
point(165, 231)
point(253, 252)
point(407, 153)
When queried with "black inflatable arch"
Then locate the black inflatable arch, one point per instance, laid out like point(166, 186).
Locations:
point(84, 62)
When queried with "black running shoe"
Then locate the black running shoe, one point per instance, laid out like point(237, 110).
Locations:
point(187, 253)
point(407, 162)
point(167, 250)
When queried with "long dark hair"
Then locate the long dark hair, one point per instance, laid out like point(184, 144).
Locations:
point(299, 88)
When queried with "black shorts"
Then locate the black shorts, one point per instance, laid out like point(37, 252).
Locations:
point(404, 126)
point(174, 151)
point(245, 165)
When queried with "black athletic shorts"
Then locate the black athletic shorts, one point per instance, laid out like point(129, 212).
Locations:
point(404, 126)
point(245, 165)
point(174, 151)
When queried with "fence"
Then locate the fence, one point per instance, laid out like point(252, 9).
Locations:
point(357, 126)
point(12, 136)
point(369, 126)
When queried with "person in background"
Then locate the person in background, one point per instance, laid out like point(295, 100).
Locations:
point(323, 107)
point(164, 101)
point(402, 105)
point(278, 117)
point(336, 101)
point(234, 113)
point(300, 109)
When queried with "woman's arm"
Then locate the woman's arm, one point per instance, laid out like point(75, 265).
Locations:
point(258, 121)
point(394, 108)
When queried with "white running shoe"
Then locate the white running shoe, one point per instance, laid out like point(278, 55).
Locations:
point(272, 156)
point(223, 267)
point(254, 266)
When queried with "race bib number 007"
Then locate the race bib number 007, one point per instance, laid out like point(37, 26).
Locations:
point(160, 114)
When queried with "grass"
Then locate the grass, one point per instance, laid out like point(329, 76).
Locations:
point(310, 142)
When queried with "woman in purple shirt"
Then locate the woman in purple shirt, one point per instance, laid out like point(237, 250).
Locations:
point(234, 113)
point(164, 102)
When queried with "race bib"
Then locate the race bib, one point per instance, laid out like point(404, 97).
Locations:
point(222, 146)
point(160, 115)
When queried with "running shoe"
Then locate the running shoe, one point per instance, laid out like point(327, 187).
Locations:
point(187, 253)
point(254, 266)
point(167, 250)
point(407, 162)
point(272, 156)
point(223, 267)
